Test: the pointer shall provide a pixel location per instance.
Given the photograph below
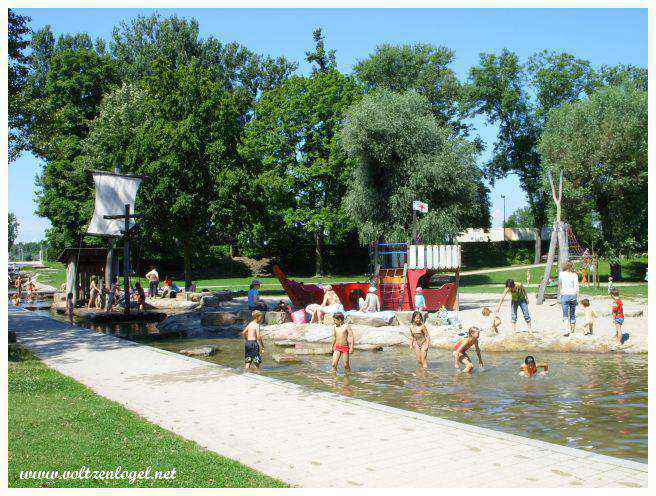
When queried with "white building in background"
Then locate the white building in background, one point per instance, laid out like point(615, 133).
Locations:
point(498, 234)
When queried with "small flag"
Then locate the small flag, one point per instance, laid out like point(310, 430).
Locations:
point(420, 206)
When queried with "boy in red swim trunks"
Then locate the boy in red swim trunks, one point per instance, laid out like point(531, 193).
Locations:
point(461, 347)
point(343, 342)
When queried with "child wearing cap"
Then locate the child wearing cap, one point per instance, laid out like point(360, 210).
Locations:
point(420, 301)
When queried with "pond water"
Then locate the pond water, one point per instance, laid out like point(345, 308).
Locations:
point(596, 402)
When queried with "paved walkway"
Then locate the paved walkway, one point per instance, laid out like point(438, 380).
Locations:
point(304, 437)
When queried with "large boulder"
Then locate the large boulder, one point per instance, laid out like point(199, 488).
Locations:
point(285, 358)
point(219, 318)
point(200, 351)
point(274, 318)
point(245, 315)
point(367, 320)
point(404, 317)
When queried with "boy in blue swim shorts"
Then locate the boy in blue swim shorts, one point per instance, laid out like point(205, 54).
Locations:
point(253, 344)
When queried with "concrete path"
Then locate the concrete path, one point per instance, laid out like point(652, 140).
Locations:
point(304, 437)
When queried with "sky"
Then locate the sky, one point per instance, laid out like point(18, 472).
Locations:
point(602, 36)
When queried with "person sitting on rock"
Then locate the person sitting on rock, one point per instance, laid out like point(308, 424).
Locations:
point(343, 342)
point(254, 301)
point(141, 297)
point(329, 305)
point(371, 303)
point(460, 350)
point(93, 290)
point(529, 368)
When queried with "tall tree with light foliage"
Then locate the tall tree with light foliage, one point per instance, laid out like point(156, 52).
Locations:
point(600, 144)
point(403, 153)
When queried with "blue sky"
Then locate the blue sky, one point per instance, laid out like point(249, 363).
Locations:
point(603, 36)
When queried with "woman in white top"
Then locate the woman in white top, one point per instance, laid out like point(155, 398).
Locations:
point(568, 282)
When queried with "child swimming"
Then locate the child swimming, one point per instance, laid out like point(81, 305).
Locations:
point(461, 347)
point(343, 342)
point(529, 368)
point(590, 316)
point(253, 344)
point(493, 320)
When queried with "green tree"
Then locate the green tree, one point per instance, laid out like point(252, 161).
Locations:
point(13, 229)
point(601, 145)
point(422, 67)
point(16, 73)
point(293, 139)
point(517, 97)
point(403, 154)
point(522, 217)
point(63, 91)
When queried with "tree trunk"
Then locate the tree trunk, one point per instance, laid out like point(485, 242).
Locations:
point(187, 265)
point(538, 245)
point(616, 271)
point(234, 249)
point(318, 240)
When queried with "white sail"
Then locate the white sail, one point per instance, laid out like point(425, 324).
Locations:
point(113, 192)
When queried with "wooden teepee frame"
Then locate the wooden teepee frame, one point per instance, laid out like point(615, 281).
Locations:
point(558, 238)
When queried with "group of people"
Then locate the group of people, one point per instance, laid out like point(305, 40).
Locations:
point(19, 282)
point(343, 338)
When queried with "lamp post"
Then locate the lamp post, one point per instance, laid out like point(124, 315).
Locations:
point(504, 216)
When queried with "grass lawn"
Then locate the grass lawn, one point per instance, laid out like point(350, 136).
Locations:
point(633, 270)
point(56, 423)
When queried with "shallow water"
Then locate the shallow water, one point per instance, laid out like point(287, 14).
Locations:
point(596, 402)
point(589, 401)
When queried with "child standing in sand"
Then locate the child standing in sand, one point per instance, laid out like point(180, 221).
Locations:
point(493, 320)
point(618, 315)
point(343, 342)
point(460, 350)
point(529, 368)
point(590, 316)
point(253, 344)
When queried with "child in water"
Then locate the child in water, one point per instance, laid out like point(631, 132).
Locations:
point(253, 344)
point(343, 342)
point(618, 315)
point(493, 320)
point(590, 316)
point(530, 368)
point(461, 347)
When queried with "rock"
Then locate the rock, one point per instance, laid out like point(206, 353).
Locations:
point(403, 318)
point(273, 318)
point(285, 343)
point(245, 315)
point(218, 318)
point(367, 320)
point(369, 347)
point(281, 358)
point(200, 351)
point(312, 349)
point(12, 336)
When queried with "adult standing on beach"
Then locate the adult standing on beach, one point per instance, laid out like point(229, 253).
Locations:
point(153, 281)
point(568, 283)
point(518, 299)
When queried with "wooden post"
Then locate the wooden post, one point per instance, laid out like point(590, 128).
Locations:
point(126, 259)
